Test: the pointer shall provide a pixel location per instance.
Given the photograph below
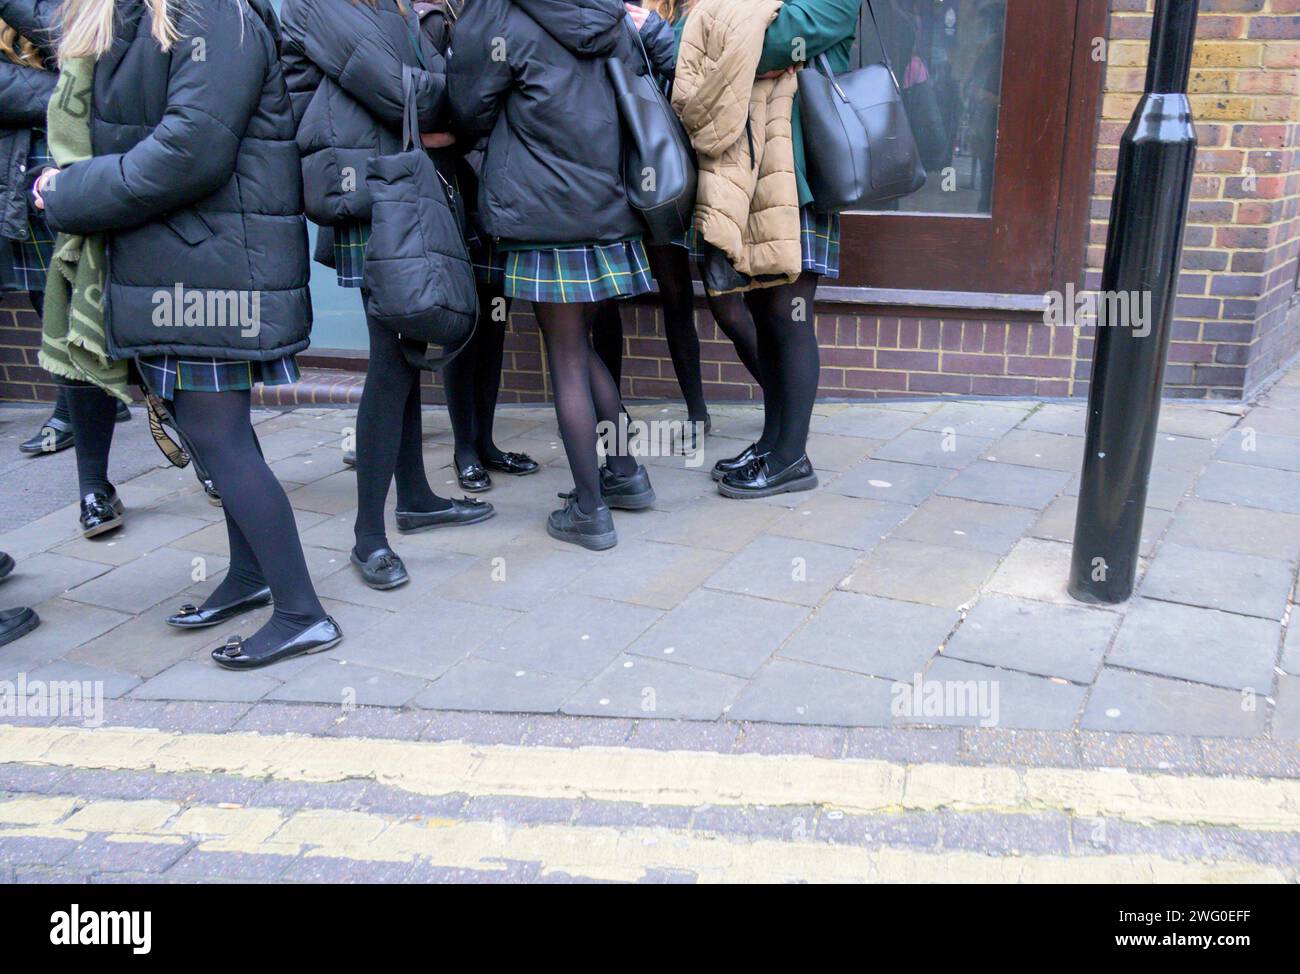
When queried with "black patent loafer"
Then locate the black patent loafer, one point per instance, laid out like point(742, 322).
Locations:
point(515, 464)
point(739, 462)
point(630, 493)
point(53, 436)
point(594, 531)
point(759, 480)
point(100, 513)
point(463, 511)
point(192, 617)
point(314, 639)
point(382, 570)
point(6, 564)
point(350, 458)
point(16, 623)
point(474, 478)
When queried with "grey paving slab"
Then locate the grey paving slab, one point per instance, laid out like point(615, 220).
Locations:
point(144, 645)
point(790, 692)
point(716, 523)
point(480, 684)
point(1180, 419)
point(787, 569)
point(1219, 648)
point(1035, 569)
point(109, 684)
point(1249, 446)
point(873, 636)
point(869, 423)
point(571, 635)
point(192, 680)
point(1186, 453)
point(142, 531)
point(1057, 524)
point(429, 572)
point(984, 419)
point(1005, 483)
point(837, 519)
point(632, 686)
point(1144, 704)
point(838, 453)
point(1238, 483)
point(1291, 647)
point(43, 576)
point(1066, 419)
point(720, 631)
point(64, 626)
point(971, 695)
point(1035, 448)
point(348, 685)
point(649, 573)
point(517, 577)
point(914, 572)
point(1246, 530)
point(1047, 640)
point(960, 523)
point(896, 483)
point(151, 578)
point(427, 639)
point(935, 448)
point(1286, 716)
point(1224, 580)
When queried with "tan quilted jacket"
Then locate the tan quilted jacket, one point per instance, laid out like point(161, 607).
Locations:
point(747, 203)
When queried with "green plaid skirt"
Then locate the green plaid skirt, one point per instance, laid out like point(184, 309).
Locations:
point(166, 374)
point(350, 241)
point(32, 256)
point(576, 275)
point(819, 235)
point(488, 259)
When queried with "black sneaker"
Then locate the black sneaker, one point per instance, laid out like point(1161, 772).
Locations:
point(758, 480)
point(629, 493)
point(739, 462)
point(100, 513)
point(594, 531)
point(53, 436)
point(15, 623)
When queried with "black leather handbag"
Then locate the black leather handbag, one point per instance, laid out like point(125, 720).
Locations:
point(858, 142)
point(658, 161)
point(418, 277)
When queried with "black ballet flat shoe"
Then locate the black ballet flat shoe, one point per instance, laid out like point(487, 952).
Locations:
point(739, 462)
point(6, 565)
point(464, 511)
point(515, 464)
point(630, 493)
point(382, 570)
point(594, 531)
point(16, 623)
point(100, 513)
point(53, 436)
point(350, 458)
point(314, 639)
point(192, 617)
point(758, 480)
point(473, 478)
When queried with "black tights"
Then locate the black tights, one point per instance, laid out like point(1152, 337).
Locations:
point(671, 266)
point(264, 545)
point(585, 394)
point(787, 347)
point(389, 442)
point(93, 414)
point(472, 380)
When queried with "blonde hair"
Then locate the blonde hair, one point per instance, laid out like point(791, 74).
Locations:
point(87, 26)
point(19, 49)
point(669, 10)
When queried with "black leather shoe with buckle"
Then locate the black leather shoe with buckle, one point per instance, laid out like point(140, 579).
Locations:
point(739, 462)
point(758, 479)
point(100, 513)
point(515, 464)
point(193, 617)
point(463, 511)
point(314, 639)
point(473, 478)
point(382, 570)
point(53, 436)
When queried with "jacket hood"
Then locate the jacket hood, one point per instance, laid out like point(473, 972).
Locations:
point(263, 9)
point(587, 28)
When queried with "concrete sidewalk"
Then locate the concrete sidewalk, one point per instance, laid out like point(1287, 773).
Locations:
point(933, 556)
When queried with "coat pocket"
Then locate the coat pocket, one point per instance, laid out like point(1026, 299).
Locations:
point(189, 226)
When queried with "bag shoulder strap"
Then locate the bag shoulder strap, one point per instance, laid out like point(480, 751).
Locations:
point(410, 117)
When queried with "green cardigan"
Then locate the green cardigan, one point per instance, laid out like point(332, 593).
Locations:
point(817, 27)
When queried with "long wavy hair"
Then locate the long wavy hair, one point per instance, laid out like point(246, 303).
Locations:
point(669, 10)
point(18, 49)
point(86, 26)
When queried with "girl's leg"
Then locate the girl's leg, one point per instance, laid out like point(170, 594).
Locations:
point(671, 267)
point(569, 358)
point(264, 538)
point(607, 338)
point(788, 339)
point(494, 316)
point(733, 317)
point(459, 380)
point(93, 414)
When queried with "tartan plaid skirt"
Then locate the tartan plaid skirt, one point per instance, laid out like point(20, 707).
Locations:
point(575, 275)
point(350, 256)
point(166, 374)
point(32, 256)
point(819, 235)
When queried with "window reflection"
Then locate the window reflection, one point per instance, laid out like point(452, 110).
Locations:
point(947, 55)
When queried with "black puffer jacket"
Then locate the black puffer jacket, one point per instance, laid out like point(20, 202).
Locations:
point(530, 74)
point(343, 62)
point(24, 96)
point(195, 182)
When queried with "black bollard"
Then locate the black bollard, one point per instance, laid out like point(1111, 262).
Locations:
point(1135, 310)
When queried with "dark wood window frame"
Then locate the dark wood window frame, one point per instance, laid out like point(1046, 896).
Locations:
point(1035, 238)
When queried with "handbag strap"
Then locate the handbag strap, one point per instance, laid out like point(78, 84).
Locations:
point(889, 65)
point(410, 117)
point(640, 43)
